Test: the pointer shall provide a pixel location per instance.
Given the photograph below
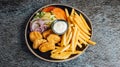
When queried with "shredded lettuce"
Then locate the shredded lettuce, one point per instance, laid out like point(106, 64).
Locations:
point(47, 17)
point(39, 14)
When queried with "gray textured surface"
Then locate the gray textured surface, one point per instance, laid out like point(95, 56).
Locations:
point(105, 16)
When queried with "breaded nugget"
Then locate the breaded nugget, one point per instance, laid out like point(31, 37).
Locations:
point(47, 33)
point(46, 46)
point(35, 35)
point(38, 42)
point(54, 38)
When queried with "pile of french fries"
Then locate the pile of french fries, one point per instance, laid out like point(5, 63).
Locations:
point(78, 34)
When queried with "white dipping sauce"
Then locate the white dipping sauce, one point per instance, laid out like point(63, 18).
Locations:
point(60, 26)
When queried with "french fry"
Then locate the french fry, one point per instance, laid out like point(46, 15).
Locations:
point(61, 49)
point(72, 21)
point(85, 22)
point(82, 33)
point(87, 40)
point(63, 41)
point(79, 44)
point(65, 48)
point(80, 21)
point(72, 12)
point(84, 30)
point(69, 38)
point(76, 39)
point(91, 42)
point(63, 55)
point(83, 41)
point(83, 36)
point(67, 14)
point(69, 30)
point(73, 39)
point(56, 50)
point(69, 34)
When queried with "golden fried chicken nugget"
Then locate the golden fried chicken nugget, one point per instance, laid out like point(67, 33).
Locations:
point(35, 35)
point(46, 46)
point(47, 33)
point(38, 42)
point(54, 38)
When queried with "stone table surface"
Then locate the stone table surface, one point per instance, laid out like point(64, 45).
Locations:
point(105, 17)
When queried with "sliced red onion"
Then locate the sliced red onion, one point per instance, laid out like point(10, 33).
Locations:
point(41, 29)
point(39, 25)
point(34, 25)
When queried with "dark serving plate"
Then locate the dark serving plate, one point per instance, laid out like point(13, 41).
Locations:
point(46, 56)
